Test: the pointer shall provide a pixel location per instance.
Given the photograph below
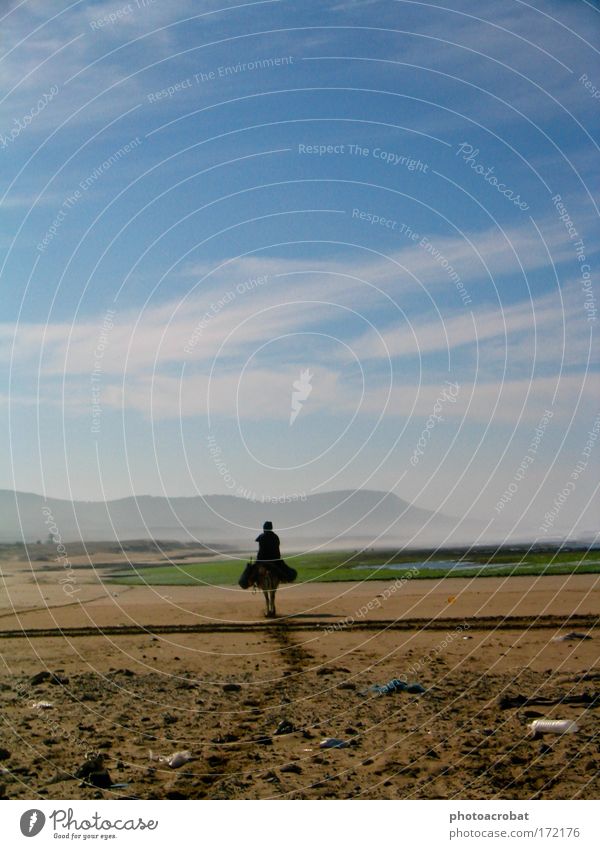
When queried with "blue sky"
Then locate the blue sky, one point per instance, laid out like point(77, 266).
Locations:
point(200, 201)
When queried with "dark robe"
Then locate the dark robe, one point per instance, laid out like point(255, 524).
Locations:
point(268, 547)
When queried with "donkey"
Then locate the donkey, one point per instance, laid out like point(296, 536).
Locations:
point(267, 581)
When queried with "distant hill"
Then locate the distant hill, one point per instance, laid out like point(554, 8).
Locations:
point(341, 518)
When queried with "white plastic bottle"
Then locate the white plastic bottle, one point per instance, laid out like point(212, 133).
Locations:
point(553, 726)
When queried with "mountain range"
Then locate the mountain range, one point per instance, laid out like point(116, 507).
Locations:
point(339, 518)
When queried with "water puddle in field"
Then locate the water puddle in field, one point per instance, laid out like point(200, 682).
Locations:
point(464, 564)
point(430, 564)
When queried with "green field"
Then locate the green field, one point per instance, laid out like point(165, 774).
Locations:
point(337, 566)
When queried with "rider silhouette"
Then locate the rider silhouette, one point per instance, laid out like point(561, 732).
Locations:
point(268, 555)
point(268, 545)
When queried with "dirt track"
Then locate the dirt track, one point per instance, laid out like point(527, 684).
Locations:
point(487, 623)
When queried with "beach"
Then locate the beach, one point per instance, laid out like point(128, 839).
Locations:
point(132, 675)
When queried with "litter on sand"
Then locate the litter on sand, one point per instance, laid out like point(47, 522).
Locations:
point(395, 686)
point(174, 761)
point(333, 743)
point(285, 727)
point(42, 705)
point(179, 759)
point(553, 726)
point(572, 635)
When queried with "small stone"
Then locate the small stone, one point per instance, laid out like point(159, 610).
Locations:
point(91, 765)
point(100, 779)
point(60, 776)
point(231, 688)
point(292, 768)
point(224, 738)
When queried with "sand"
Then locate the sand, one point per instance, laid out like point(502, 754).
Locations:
point(134, 696)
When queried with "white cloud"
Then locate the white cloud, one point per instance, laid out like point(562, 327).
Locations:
point(225, 309)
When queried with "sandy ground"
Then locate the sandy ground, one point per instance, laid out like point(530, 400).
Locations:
point(41, 601)
point(136, 697)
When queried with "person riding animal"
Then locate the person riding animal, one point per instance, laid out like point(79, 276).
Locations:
point(269, 569)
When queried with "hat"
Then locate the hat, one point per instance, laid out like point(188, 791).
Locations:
point(268, 526)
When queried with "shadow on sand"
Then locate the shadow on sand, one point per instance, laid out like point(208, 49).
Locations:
point(310, 616)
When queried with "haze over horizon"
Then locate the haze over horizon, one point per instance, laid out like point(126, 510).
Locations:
point(285, 249)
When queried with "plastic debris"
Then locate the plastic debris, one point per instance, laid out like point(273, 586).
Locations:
point(175, 760)
point(333, 743)
point(416, 689)
point(396, 686)
point(179, 759)
point(42, 705)
point(553, 726)
point(572, 635)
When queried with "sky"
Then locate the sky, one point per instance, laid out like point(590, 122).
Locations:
point(277, 248)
